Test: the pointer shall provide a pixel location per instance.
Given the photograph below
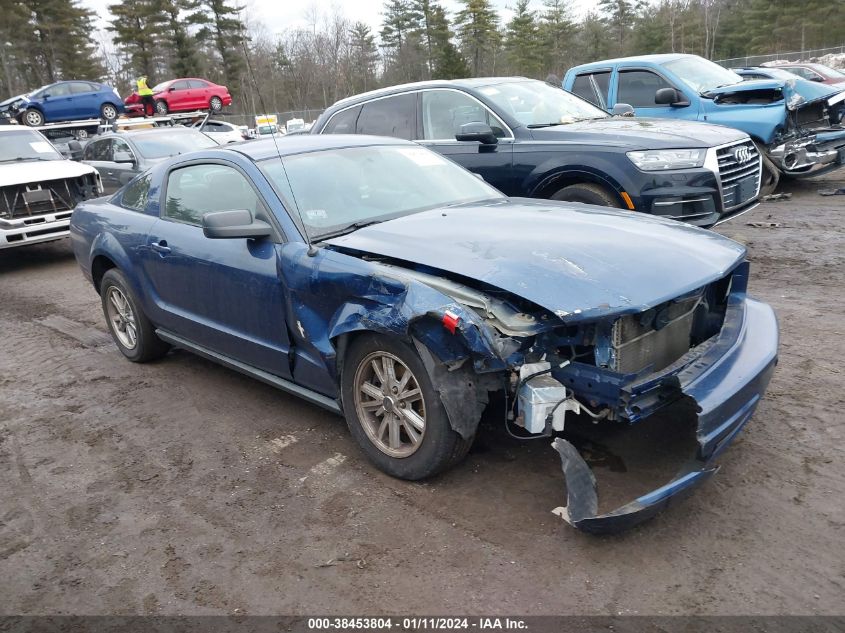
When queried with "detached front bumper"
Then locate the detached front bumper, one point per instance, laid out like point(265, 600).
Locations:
point(726, 383)
point(31, 230)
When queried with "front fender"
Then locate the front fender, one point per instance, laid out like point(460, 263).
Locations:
point(545, 174)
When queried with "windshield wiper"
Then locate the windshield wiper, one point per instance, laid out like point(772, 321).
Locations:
point(349, 228)
point(534, 126)
point(18, 159)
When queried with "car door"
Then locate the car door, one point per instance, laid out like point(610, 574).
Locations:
point(84, 101)
point(223, 294)
point(199, 93)
point(637, 87)
point(56, 102)
point(443, 112)
point(98, 154)
point(179, 97)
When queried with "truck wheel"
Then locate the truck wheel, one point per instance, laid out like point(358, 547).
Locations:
point(161, 107)
point(129, 326)
point(588, 193)
point(216, 104)
point(393, 411)
point(108, 112)
point(33, 117)
point(770, 177)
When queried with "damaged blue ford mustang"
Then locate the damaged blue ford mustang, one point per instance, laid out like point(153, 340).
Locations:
point(379, 280)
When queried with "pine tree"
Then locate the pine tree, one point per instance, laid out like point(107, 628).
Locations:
point(448, 61)
point(619, 15)
point(557, 31)
point(363, 57)
point(401, 40)
point(61, 30)
point(180, 16)
point(522, 42)
point(478, 32)
point(137, 27)
point(226, 31)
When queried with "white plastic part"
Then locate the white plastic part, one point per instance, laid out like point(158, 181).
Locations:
point(541, 396)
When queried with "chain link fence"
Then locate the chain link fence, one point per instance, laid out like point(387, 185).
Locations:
point(795, 56)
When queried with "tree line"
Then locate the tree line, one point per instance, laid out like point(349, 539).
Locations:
point(42, 41)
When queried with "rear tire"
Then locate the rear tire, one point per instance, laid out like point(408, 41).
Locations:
point(108, 112)
point(376, 411)
point(162, 107)
point(130, 328)
point(588, 193)
point(215, 104)
point(33, 118)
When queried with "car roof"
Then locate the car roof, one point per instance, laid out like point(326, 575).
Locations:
point(301, 143)
point(472, 82)
point(656, 59)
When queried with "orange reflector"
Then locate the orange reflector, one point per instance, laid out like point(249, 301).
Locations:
point(627, 200)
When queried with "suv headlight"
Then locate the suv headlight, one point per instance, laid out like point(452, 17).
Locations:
point(661, 159)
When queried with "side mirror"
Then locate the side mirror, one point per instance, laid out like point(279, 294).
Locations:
point(623, 109)
point(670, 96)
point(171, 89)
point(240, 223)
point(478, 132)
point(45, 96)
point(123, 157)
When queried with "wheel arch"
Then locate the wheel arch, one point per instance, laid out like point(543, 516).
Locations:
point(564, 177)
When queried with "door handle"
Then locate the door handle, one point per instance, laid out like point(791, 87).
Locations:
point(160, 247)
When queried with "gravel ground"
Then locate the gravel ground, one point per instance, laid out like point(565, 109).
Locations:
point(183, 487)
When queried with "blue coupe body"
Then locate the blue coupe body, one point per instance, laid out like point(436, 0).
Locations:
point(633, 313)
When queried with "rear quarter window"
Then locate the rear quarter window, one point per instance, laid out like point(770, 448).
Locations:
point(391, 116)
point(135, 195)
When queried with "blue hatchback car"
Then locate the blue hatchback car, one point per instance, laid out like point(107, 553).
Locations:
point(68, 101)
point(382, 281)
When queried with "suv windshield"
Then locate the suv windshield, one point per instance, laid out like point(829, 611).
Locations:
point(535, 103)
point(165, 144)
point(701, 74)
point(370, 184)
point(26, 145)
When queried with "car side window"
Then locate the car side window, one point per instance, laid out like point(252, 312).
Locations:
point(638, 87)
point(135, 195)
point(392, 116)
point(196, 190)
point(806, 73)
point(180, 85)
point(343, 122)
point(78, 87)
point(445, 111)
point(98, 150)
point(121, 149)
point(59, 90)
point(196, 83)
point(583, 87)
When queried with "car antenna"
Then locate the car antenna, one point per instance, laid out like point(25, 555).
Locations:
point(312, 250)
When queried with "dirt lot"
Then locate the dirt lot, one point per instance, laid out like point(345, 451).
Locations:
point(183, 487)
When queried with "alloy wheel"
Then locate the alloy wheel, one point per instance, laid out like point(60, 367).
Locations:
point(34, 118)
point(122, 318)
point(389, 404)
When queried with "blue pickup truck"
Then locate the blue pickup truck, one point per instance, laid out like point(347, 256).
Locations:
point(797, 124)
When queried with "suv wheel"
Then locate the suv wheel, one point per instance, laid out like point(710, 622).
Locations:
point(129, 326)
point(33, 117)
point(394, 412)
point(588, 193)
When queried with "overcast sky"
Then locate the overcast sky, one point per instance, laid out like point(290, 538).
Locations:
point(278, 15)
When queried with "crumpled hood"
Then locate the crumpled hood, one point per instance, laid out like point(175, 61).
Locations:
point(796, 92)
point(642, 133)
point(578, 261)
point(37, 171)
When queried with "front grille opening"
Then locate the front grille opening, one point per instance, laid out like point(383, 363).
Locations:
point(28, 200)
point(684, 208)
point(739, 171)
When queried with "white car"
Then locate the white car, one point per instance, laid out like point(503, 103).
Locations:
point(38, 188)
point(221, 131)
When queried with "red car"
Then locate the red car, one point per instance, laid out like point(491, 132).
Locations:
point(814, 72)
point(179, 95)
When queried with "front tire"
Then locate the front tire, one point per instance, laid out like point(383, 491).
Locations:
point(33, 118)
point(162, 107)
point(216, 104)
point(588, 193)
point(770, 177)
point(130, 328)
point(393, 411)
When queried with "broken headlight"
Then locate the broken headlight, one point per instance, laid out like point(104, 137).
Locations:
point(660, 159)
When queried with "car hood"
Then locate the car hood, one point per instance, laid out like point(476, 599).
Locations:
point(640, 133)
point(36, 171)
point(578, 261)
point(796, 92)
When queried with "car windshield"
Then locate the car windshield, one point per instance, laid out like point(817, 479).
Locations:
point(160, 87)
point(827, 70)
point(702, 75)
point(339, 190)
point(23, 144)
point(538, 104)
point(171, 143)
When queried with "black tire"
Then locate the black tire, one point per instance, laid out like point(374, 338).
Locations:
point(215, 104)
point(32, 117)
point(440, 447)
point(108, 111)
point(588, 193)
point(161, 107)
point(770, 177)
point(147, 346)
